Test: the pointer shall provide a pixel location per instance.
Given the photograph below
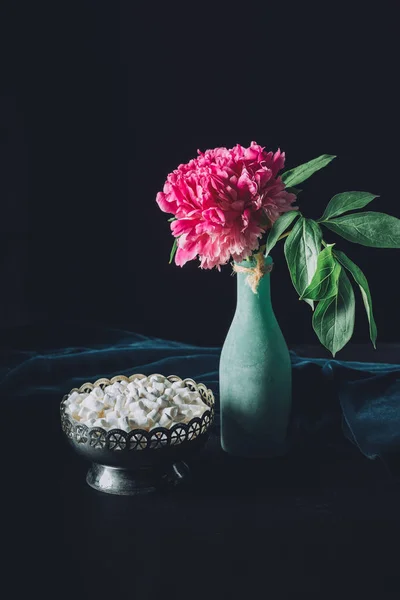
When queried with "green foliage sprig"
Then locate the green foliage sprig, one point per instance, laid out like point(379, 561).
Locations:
point(317, 269)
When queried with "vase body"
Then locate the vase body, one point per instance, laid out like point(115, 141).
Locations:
point(255, 376)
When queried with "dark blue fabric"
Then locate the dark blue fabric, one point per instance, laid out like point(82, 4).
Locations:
point(330, 397)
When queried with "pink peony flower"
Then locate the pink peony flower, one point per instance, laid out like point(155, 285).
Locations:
point(223, 201)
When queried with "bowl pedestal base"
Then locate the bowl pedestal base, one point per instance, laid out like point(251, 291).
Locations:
point(125, 482)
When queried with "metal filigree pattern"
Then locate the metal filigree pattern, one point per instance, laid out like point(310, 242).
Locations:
point(68, 428)
point(205, 422)
point(81, 434)
point(97, 437)
point(137, 440)
point(178, 435)
point(117, 440)
point(194, 428)
point(158, 438)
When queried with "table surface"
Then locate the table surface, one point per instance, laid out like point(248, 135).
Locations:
point(301, 526)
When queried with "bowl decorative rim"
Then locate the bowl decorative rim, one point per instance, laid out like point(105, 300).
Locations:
point(98, 438)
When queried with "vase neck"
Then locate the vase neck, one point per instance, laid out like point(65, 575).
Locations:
point(247, 300)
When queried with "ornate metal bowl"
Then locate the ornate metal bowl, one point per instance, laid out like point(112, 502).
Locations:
point(139, 461)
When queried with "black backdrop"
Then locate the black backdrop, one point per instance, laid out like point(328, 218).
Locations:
point(100, 100)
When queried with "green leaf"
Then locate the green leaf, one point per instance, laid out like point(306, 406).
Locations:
point(360, 278)
point(279, 227)
point(173, 250)
point(293, 190)
point(346, 201)
point(324, 284)
point(333, 319)
point(304, 171)
point(368, 228)
point(171, 219)
point(302, 247)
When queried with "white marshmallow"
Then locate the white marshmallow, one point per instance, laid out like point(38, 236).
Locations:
point(178, 385)
point(101, 423)
point(197, 410)
point(119, 402)
point(179, 417)
point(184, 408)
point(159, 378)
point(150, 404)
point(165, 420)
point(131, 407)
point(178, 400)
point(189, 397)
point(171, 411)
point(124, 411)
point(97, 393)
point(123, 423)
point(111, 415)
point(188, 415)
point(184, 394)
point(84, 412)
point(195, 397)
point(72, 409)
point(154, 415)
point(74, 398)
point(108, 400)
point(92, 415)
point(162, 402)
point(141, 403)
point(134, 394)
point(118, 388)
point(160, 387)
point(92, 403)
point(140, 417)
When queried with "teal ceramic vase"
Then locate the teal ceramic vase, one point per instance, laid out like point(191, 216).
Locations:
point(255, 375)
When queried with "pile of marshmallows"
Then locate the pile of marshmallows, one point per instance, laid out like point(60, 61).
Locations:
point(143, 403)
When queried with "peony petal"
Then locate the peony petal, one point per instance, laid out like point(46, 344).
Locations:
point(183, 255)
point(220, 200)
point(278, 162)
point(182, 226)
point(166, 204)
point(245, 183)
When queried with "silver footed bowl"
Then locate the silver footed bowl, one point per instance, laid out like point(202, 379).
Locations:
point(139, 461)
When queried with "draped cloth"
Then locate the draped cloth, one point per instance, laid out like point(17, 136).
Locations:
point(333, 401)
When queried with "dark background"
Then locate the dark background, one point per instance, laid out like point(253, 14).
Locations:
point(101, 100)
